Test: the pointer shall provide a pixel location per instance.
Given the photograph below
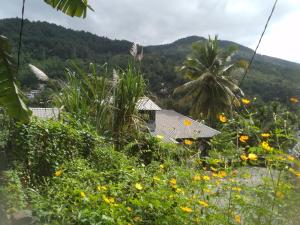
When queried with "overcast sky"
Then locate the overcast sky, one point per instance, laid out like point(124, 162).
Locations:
point(150, 22)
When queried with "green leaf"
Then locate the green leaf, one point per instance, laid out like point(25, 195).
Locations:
point(10, 94)
point(72, 8)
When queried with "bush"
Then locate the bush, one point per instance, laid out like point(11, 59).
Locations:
point(42, 146)
point(148, 148)
point(12, 195)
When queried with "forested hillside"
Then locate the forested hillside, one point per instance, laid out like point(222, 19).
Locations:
point(51, 47)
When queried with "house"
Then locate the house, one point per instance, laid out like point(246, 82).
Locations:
point(170, 125)
point(175, 127)
point(45, 113)
point(147, 108)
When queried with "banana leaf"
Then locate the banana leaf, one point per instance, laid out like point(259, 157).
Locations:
point(72, 8)
point(10, 94)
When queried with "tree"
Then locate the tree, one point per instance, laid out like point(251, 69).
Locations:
point(211, 89)
point(10, 94)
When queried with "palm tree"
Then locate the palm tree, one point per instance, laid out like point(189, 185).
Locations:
point(211, 89)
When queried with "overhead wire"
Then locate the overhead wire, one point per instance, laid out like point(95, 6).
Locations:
point(258, 44)
point(21, 34)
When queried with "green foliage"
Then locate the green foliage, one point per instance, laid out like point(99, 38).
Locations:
point(70, 7)
point(86, 96)
point(10, 94)
point(128, 89)
point(12, 195)
point(148, 149)
point(43, 145)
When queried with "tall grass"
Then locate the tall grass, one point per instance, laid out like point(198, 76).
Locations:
point(86, 96)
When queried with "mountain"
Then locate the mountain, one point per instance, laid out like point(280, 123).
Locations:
point(51, 47)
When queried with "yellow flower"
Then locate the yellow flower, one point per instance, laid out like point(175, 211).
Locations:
point(222, 174)
point(187, 123)
point(161, 166)
point(207, 190)
point(203, 203)
point(279, 194)
point(188, 142)
point(101, 188)
point(223, 118)
point(237, 219)
point(236, 189)
point(296, 173)
point(129, 209)
point(266, 135)
point(173, 182)
point(156, 178)
point(245, 101)
point(206, 177)
point(138, 186)
point(244, 157)
point(265, 145)
point(82, 194)
point(197, 178)
point(108, 200)
point(58, 173)
point(291, 158)
point(215, 175)
point(252, 156)
point(160, 136)
point(244, 138)
point(294, 100)
point(179, 190)
point(186, 209)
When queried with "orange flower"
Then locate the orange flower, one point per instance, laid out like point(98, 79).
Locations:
point(294, 100)
point(244, 138)
point(187, 123)
point(188, 142)
point(223, 118)
point(245, 101)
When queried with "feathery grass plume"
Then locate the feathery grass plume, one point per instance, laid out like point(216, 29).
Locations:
point(134, 50)
point(115, 78)
point(39, 74)
point(141, 55)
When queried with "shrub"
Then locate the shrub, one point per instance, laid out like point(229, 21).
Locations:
point(12, 195)
point(148, 148)
point(41, 146)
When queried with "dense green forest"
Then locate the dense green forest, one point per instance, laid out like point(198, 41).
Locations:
point(52, 47)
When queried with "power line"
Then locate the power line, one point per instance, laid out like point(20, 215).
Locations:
point(20, 36)
point(261, 37)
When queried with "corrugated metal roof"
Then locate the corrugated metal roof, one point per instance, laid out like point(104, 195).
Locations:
point(45, 113)
point(171, 126)
point(146, 103)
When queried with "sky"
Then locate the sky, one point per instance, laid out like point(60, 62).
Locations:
point(151, 22)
